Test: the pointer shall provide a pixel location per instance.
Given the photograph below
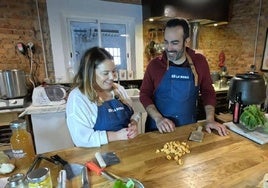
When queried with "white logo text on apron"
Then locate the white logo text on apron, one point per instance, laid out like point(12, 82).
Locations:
point(115, 109)
point(180, 76)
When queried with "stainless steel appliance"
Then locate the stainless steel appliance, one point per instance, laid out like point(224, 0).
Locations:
point(15, 83)
point(13, 89)
point(2, 85)
point(250, 85)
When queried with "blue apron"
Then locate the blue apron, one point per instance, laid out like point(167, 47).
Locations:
point(176, 97)
point(113, 115)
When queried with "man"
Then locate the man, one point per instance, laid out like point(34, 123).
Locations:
point(172, 83)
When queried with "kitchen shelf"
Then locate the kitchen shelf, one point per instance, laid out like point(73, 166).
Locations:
point(7, 116)
point(130, 84)
point(222, 103)
point(5, 133)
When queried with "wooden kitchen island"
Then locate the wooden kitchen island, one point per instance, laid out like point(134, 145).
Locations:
point(230, 161)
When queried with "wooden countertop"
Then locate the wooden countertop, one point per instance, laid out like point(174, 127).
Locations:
point(231, 161)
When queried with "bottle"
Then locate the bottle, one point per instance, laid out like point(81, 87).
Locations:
point(237, 108)
point(21, 144)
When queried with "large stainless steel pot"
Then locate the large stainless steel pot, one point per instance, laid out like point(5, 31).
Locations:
point(2, 85)
point(252, 87)
point(14, 84)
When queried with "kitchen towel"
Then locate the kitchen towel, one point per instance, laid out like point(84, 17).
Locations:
point(258, 135)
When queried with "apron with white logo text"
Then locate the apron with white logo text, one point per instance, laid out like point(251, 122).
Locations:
point(113, 115)
point(176, 97)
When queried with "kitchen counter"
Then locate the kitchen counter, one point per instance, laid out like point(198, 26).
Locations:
point(230, 161)
point(217, 88)
point(50, 131)
point(11, 110)
point(43, 109)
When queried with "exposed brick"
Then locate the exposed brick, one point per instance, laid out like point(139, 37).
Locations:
point(236, 39)
point(19, 23)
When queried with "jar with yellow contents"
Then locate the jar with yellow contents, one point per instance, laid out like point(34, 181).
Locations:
point(39, 178)
point(21, 144)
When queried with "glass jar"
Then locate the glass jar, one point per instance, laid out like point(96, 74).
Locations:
point(21, 144)
point(39, 178)
point(16, 181)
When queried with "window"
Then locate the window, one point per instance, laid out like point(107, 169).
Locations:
point(85, 34)
point(116, 54)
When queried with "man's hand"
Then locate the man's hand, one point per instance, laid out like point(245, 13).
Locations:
point(165, 125)
point(222, 130)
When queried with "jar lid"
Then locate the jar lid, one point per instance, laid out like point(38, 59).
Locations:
point(38, 175)
point(17, 123)
point(16, 179)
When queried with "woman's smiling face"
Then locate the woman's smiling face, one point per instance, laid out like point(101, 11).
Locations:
point(105, 74)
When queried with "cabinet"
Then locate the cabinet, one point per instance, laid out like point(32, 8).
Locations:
point(50, 132)
point(222, 105)
point(138, 107)
point(49, 128)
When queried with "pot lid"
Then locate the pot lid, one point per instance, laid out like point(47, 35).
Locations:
point(249, 76)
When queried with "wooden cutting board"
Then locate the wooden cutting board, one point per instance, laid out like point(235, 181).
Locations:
point(222, 118)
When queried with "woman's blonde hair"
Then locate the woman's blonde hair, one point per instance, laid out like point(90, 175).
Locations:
point(85, 77)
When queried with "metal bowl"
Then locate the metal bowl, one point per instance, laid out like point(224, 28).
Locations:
point(138, 184)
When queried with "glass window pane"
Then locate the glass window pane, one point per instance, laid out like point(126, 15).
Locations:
point(116, 42)
point(85, 34)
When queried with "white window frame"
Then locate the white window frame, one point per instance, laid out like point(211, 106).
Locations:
point(70, 59)
point(59, 10)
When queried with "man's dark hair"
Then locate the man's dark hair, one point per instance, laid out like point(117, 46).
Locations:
point(180, 22)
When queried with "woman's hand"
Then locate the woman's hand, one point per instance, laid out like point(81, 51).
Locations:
point(132, 129)
point(118, 135)
point(125, 133)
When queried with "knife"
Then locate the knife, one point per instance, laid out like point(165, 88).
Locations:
point(84, 174)
point(99, 171)
point(66, 166)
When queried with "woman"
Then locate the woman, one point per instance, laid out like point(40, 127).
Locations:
point(99, 110)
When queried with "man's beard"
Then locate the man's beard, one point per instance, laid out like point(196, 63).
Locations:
point(177, 54)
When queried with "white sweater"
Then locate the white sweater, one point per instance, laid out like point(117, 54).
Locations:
point(81, 118)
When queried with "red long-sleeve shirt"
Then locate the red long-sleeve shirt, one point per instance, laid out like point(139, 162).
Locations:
point(157, 68)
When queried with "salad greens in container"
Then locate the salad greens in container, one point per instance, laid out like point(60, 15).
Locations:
point(253, 117)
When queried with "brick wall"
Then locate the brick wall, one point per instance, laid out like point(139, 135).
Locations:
point(19, 23)
point(236, 39)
